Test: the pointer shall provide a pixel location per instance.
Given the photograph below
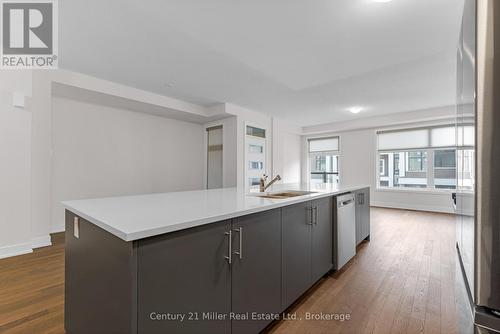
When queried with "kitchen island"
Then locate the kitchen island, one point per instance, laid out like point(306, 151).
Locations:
point(219, 260)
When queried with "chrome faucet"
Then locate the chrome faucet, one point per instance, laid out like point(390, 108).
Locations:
point(262, 183)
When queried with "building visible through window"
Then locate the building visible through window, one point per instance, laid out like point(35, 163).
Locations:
point(425, 157)
point(324, 160)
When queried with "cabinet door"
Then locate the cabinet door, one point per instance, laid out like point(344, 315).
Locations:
point(256, 268)
point(296, 251)
point(365, 214)
point(185, 274)
point(358, 195)
point(322, 256)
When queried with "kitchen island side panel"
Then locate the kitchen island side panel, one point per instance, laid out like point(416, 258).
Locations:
point(100, 281)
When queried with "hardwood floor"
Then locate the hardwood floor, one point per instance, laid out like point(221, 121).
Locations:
point(403, 281)
point(32, 291)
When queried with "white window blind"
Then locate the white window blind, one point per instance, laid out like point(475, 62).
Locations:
point(432, 137)
point(407, 139)
point(443, 137)
point(466, 135)
point(324, 144)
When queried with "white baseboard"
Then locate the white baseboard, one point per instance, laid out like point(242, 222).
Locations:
point(429, 208)
point(25, 248)
point(43, 241)
point(14, 250)
point(57, 229)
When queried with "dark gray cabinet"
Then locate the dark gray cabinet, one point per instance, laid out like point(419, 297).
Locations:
point(321, 261)
point(307, 246)
point(296, 251)
point(256, 269)
point(100, 280)
point(362, 214)
point(185, 273)
point(189, 273)
point(192, 281)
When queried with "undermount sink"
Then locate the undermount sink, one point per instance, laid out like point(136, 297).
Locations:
point(284, 194)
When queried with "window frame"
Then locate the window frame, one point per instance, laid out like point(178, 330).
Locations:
point(309, 155)
point(430, 149)
point(404, 170)
point(381, 164)
point(325, 173)
point(430, 187)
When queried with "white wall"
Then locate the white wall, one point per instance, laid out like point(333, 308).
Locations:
point(101, 151)
point(357, 150)
point(360, 122)
point(358, 166)
point(15, 165)
point(111, 151)
point(287, 152)
point(41, 155)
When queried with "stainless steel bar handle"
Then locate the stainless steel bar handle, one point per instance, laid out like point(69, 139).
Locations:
point(310, 218)
point(345, 203)
point(315, 215)
point(229, 258)
point(240, 236)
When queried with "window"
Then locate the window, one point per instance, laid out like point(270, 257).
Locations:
point(256, 165)
point(256, 132)
point(255, 155)
point(425, 157)
point(255, 148)
point(253, 181)
point(405, 169)
point(445, 169)
point(444, 159)
point(417, 161)
point(324, 160)
point(466, 174)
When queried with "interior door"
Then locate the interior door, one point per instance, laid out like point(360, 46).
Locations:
point(215, 157)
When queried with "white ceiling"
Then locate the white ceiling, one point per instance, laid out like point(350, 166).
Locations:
point(307, 61)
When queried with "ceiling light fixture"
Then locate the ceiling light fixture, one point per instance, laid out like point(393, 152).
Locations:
point(355, 110)
point(382, 0)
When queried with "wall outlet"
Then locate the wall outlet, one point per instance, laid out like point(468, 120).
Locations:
point(76, 227)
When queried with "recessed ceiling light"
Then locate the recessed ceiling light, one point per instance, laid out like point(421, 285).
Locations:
point(355, 110)
point(381, 0)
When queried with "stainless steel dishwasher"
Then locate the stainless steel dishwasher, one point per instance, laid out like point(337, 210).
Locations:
point(345, 230)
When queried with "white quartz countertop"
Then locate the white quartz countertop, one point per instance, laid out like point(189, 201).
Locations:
point(141, 216)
